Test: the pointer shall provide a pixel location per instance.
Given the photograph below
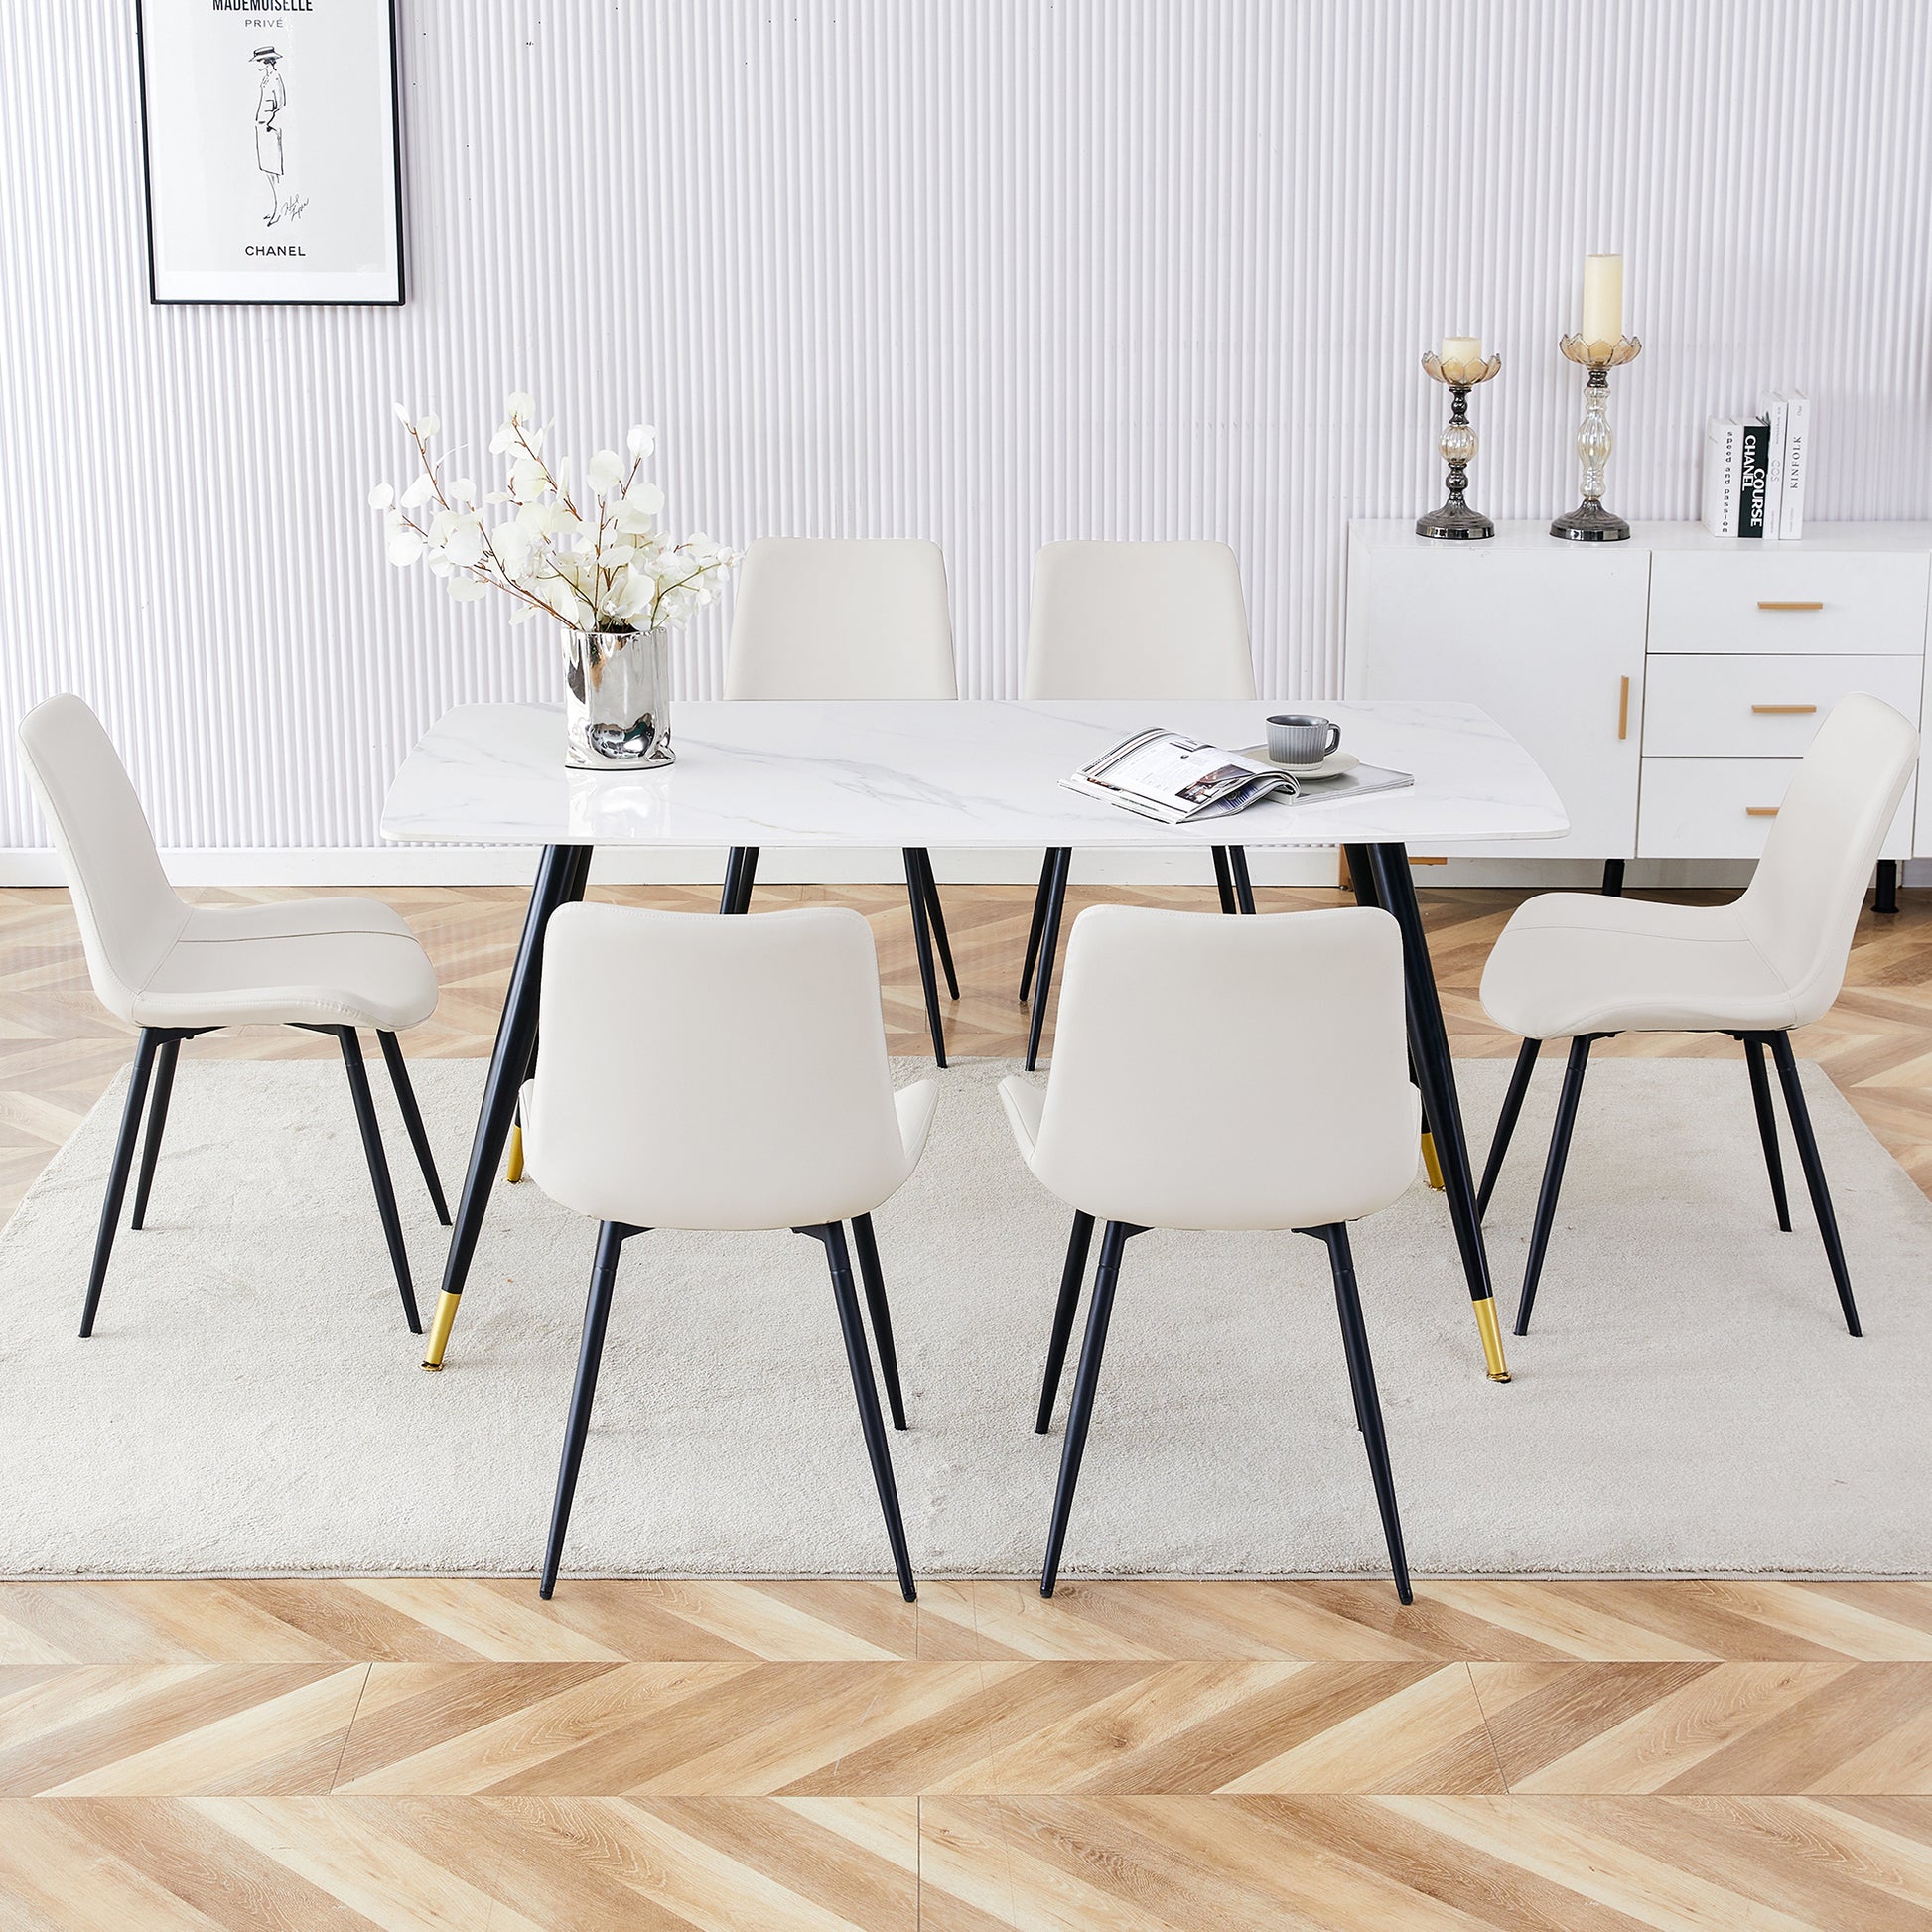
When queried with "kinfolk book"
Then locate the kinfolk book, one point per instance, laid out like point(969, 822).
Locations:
point(1797, 440)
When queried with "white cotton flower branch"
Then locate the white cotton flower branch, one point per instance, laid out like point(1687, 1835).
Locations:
point(607, 567)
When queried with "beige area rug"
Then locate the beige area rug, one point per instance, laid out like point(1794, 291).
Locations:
point(1689, 1400)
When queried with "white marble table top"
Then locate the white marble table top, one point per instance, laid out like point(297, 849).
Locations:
point(967, 773)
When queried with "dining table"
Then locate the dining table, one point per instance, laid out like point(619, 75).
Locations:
point(971, 773)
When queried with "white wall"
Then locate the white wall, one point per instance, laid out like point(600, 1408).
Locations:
point(990, 271)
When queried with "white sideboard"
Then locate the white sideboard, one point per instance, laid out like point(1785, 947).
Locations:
point(1667, 685)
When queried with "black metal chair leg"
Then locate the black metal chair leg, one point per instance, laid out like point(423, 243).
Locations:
point(412, 1119)
point(1368, 1404)
point(1768, 1126)
point(1042, 894)
point(1073, 1274)
point(1244, 890)
point(863, 1386)
point(1224, 879)
point(1614, 878)
point(111, 1209)
point(1085, 1382)
point(1546, 1201)
point(923, 945)
point(385, 1194)
point(1886, 896)
point(164, 1086)
point(1519, 1085)
point(610, 1238)
point(1049, 945)
point(936, 916)
point(1821, 1197)
point(874, 1277)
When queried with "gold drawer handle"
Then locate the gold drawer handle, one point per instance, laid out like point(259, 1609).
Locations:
point(1783, 710)
point(1760, 811)
point(1790, 603)
point(1624, 710)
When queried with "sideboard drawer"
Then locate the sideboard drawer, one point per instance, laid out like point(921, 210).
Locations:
point(1760, 707)
point(1722, 809)
point(1776, 599)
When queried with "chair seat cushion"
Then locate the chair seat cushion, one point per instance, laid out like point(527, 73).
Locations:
point(324, 962)
point(1572, 963)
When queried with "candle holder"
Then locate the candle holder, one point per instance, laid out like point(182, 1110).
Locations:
point(1456, 521)
point(1589, 522)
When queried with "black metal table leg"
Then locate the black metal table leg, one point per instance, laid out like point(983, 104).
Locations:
point(922, 948)
point(1062, 858)
point(561, 876)
point(1224, 879)
point(1395, 892)
point(1244, 890)
point(1887, 897)
point(936, 916)
point(1039, 925)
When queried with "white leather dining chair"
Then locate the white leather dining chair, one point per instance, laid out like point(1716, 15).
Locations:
point(1580, 967)
point(1153, 621)
point(760, 1097)
point(830, 619)
point(1221, 1074)
point(175, 971)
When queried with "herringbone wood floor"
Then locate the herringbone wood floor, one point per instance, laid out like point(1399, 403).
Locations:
point(448, 1753)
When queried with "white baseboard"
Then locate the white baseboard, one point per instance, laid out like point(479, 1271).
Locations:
point(401, 864)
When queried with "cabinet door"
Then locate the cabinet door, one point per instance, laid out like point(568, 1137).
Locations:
point(1548, 637)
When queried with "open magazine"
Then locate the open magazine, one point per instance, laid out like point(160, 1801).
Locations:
point(1165, 776)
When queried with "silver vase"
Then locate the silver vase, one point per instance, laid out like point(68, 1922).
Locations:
point(617, 699)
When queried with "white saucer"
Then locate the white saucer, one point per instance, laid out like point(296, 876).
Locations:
point(1332, 766)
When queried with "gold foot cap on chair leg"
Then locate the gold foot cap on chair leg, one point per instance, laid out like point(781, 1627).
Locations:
point(1431, 1166)
point(1493, 1338)
point(438, 1333)
point(513, 1165)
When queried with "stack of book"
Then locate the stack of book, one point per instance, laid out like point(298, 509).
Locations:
point(1754, 470)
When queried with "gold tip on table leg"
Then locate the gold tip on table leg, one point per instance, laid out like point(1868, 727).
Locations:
point(439, 1331)
point(513, 1167)
point(1493, 1338)
point(1431, 1166)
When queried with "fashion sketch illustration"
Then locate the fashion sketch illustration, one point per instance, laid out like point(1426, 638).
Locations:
point(269, 128)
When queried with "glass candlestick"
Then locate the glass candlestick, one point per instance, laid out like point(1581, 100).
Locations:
point(1589, 522)
point(1456, 521)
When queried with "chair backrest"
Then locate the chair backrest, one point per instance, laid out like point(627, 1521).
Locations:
point(1230, 1073)
point(129, 914)
point(1802, 904)
point(701, 1072)
point(836, 618)
point(1138, 620)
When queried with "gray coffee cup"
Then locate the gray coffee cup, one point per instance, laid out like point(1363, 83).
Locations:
point(1297, 739)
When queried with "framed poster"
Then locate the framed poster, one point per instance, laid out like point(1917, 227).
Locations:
point(273, 150)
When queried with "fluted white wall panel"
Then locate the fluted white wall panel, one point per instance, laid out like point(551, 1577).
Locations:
point(989, 271)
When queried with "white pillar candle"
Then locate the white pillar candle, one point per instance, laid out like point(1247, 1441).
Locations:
point(1460, 348)
point(1603, 298)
